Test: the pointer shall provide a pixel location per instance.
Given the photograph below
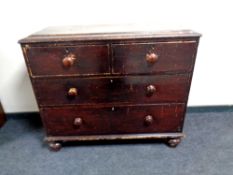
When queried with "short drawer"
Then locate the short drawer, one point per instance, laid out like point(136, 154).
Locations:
point(113, 120)
point(127, 89)
point(158, 57)
point(70, 60)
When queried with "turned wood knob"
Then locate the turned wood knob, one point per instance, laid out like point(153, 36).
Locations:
point(69, 60)
point(148, 120)
point(151, 57)
point(151, 89)
point(72, 92)
point(78, 122)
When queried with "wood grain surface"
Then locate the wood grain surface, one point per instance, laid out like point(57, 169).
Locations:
point(127, 89)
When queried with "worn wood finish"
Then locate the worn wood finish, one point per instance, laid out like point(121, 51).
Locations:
point(105, 32)
point(130, 89)
point(169, 57)
point(97, 83)
point(90, 59)
point(113, 120)
point(52, 139)
point(55, 142)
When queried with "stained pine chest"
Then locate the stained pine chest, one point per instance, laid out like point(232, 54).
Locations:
point(111, 82)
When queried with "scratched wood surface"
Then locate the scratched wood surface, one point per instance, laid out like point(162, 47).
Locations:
point(130, 89)
point(120, 120)
point(90, 59)
point(176, 56)
point(104, 32)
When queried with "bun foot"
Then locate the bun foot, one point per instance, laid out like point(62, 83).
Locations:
point(173, 142)
point(55, 146)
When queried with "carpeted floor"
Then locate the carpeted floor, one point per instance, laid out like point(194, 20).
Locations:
point(207, 150)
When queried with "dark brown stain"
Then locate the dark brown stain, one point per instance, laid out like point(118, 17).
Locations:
point(113, 120)
point(172, 57)
point(128, 89)
point(49, 60)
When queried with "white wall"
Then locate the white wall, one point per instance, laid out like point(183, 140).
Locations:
point(213, 73)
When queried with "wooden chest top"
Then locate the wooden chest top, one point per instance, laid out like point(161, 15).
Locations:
point(104, 32)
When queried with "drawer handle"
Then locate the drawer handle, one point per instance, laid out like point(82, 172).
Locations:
point(78, 122)
point(152, 58)
point(69, 60)
point(73, 92)
point(151, 89)
point(148, 120)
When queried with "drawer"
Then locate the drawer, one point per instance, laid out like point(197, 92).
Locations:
point(156, 57)
point(113, 120)
point(127, 89)
point(82, 59)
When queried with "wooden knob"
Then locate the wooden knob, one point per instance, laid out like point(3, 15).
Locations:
point(78, 122)
point(148, 120)
point(151, 57)
point(73, 92)
point(151, 89)
point(69, 60)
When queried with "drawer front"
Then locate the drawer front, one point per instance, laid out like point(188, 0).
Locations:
point(128, 89)
point(154, 57)
point(82, 59)
point(113, 120)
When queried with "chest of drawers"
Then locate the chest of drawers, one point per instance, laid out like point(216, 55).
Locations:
point(102, 83)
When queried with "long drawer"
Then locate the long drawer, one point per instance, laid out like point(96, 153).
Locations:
point(96, 120)
point(125, 89)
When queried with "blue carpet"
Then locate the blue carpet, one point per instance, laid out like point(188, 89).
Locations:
point(207, 150)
